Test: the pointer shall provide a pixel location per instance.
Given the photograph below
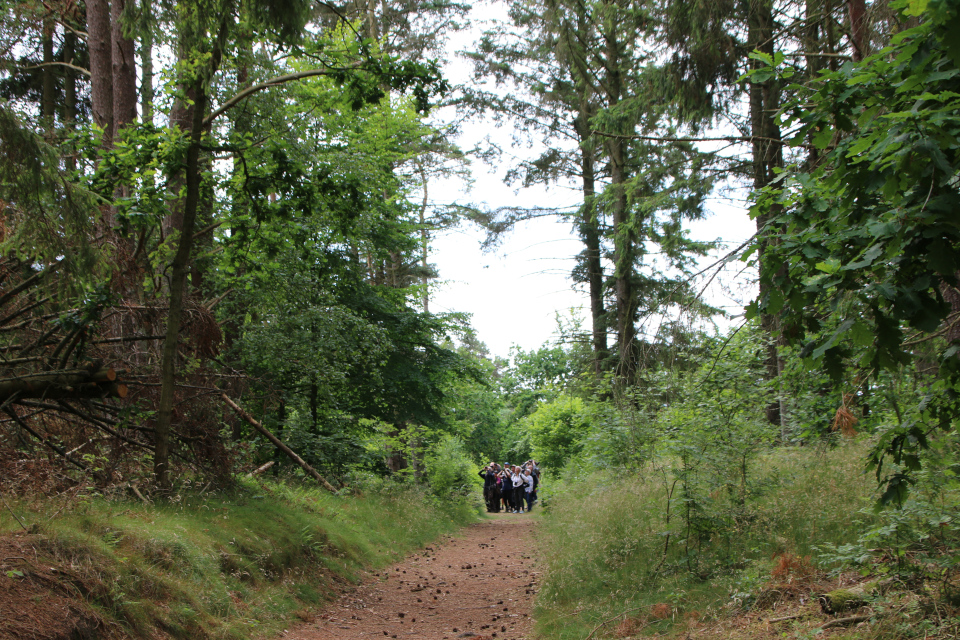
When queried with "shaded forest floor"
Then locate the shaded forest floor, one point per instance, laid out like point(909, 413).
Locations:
point(40, 600)
point(479, 584)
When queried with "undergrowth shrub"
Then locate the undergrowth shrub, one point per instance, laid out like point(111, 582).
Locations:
point(613, 542)
point(916, 540)
point(451, 474)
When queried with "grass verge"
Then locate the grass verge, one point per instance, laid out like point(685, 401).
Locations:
point(635, 547)
point(237, 565)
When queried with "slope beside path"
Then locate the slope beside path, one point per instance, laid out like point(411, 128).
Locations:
point(477, 585)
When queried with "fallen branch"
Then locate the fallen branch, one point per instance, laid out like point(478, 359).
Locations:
point(13, 513)
point(127, 339)
point(260, 470)
point(46, 441)
point(29, 282)
point(840, 600)
point(786, 618)
point(278, 444)
point(135, 491)
point(843, 622)
point(66, 382)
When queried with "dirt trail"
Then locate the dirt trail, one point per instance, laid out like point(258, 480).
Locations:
point(478, 585)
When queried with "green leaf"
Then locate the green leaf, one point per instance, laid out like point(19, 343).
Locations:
point(830, 266)
point(916, 7)
point(869, 256)
point(861, 334)
point(846, 324)
point(822, 139)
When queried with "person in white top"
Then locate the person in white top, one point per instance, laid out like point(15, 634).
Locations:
point(528, 489)
point(517, 479)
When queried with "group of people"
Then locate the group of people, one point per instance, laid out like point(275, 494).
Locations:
point(510, 487)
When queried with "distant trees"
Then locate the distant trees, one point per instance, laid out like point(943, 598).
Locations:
point(585, 67)
point(621, 93)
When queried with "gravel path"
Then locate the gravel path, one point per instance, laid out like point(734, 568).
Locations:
point(477, 585)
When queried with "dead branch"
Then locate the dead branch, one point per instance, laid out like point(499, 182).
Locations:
point(29, 282)
point(127, 339)
point(45, 441)
point(260, 469)
point(278, 444)
point(844, 622)
point(64, 383)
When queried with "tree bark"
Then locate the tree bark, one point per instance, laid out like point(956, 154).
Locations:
point(124, 69)
point(99, 41)
point(278, 444)
point(69, 92)
point(857, 9)
point(146, 61)
point(67, 383)
point(589, 228)
point(178, 284)
point(767, 157)
point(49, 77)
point(261, 469)
point(624, 237)
point(840, 600)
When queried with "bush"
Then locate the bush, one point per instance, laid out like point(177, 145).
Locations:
point(558, 430)
point(450, 472)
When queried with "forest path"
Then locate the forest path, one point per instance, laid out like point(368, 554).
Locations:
point(478, 584)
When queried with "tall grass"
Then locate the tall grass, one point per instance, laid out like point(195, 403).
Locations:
point(610, 546)
point(238, 565)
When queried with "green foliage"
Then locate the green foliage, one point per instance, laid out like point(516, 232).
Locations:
point(44, 212)
point(473, 409)
point(613, 541)
point(557, 430)
point(450, 472)
point(920, 539)
point(865, 239)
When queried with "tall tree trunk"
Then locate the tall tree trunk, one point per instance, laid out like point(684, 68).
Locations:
point(767, 157)
point(589, 230)
point(830, 33)
point(813, 18)
point(624, 237)
point(424, 240)
point(857, 9)
point(396, 460)
point(146, 61)
point(124, 69)
point(178, 285)
point(69, 92)
point(242, 121)
point(314, 404)
point(49, 77)
point(99, 43)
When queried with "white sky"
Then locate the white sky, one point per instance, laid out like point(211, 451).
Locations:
point(515, 293)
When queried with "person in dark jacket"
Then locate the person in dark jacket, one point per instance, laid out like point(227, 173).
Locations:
point(506, 488)
point(491, 493)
